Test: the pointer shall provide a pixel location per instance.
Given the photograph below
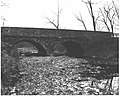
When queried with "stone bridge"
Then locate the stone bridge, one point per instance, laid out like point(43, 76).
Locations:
point(76, 43)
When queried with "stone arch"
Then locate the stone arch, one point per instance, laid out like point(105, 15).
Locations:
point(40, 50)
point(73, 48)
point(59, 49)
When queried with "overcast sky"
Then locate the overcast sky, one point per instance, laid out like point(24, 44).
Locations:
point(32, 13)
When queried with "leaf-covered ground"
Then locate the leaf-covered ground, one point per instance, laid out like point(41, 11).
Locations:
point(63, 76)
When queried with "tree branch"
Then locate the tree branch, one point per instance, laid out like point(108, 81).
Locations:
point(90, 9)
point(116, 9)
point(81, 20)
point(52, 22)
point(58, 17)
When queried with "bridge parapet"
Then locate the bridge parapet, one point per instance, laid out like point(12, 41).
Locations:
point(60, 33)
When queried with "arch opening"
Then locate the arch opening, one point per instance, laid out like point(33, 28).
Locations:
point(73, 49)
point(28, 48)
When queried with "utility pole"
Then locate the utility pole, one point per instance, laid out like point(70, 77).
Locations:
point(3, 4)
point(3, 21)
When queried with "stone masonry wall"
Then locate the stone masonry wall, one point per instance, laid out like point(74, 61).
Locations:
point(94, 43)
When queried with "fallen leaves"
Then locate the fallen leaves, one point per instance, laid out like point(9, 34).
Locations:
point(59, 76)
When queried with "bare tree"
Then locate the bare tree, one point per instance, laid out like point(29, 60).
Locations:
point(116, 9)
point(79, 18)
point(3, 18)
point(89, 5)
point(4, 4)
point(90, 9)
point(109, 16)
point(104, 19)
point(56, 25)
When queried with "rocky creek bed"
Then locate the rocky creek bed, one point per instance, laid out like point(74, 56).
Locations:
point(61, 76)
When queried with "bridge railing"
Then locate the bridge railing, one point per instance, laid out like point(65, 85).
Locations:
point(116, 35)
